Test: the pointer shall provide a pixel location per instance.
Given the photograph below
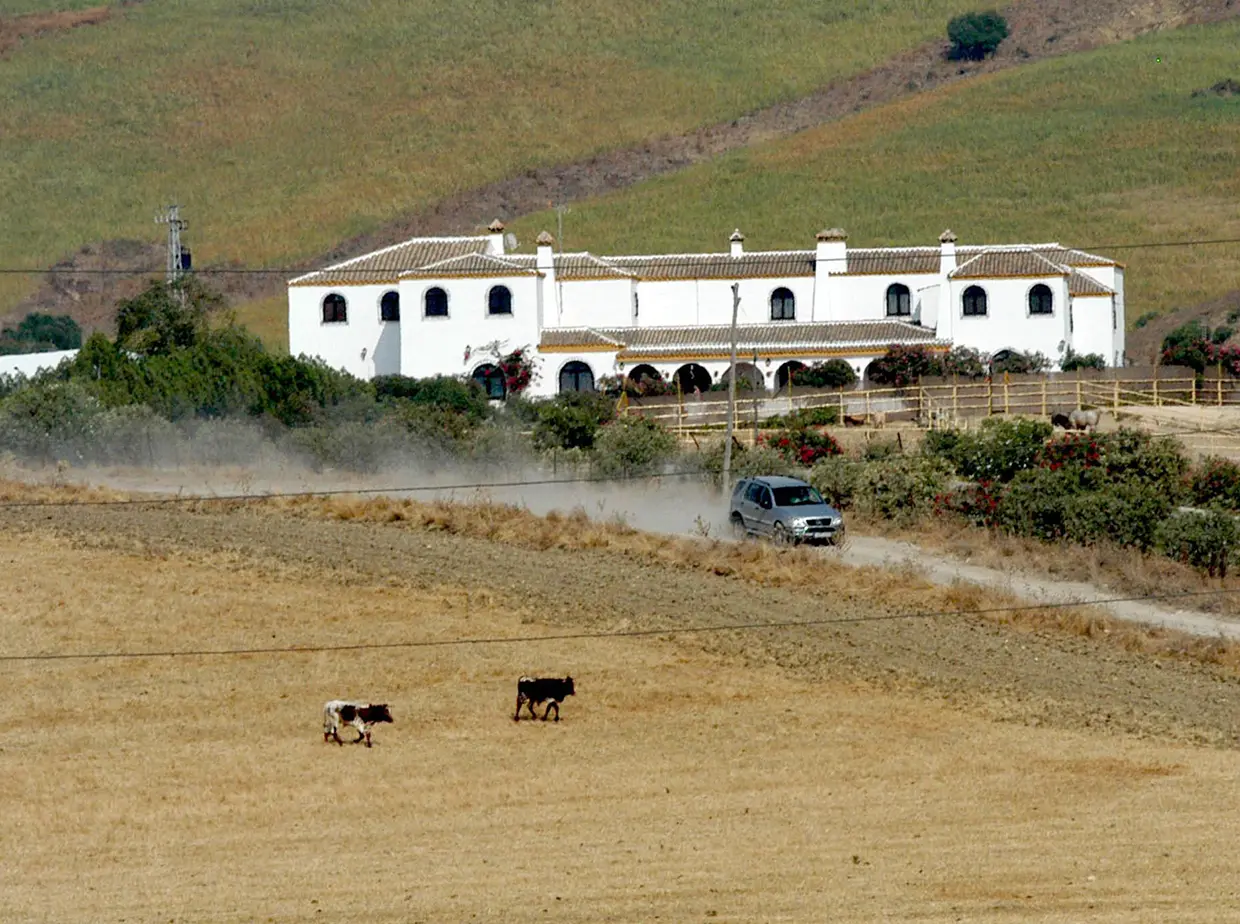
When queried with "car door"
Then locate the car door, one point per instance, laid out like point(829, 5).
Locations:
point(749, 508)
point(764, 512)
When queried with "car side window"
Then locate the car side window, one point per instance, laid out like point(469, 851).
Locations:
point(754, 493)
point(764, 499)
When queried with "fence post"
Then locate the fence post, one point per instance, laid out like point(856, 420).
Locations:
point(1220, 384)
point(1043, 396)
point(1193, 389)
point(955, 401)
point(1157, 397)
point(990, 396)
point(1115, 397)
point(841, 421)
point(1007, 396)
point(1078, 389)
point(867, 406)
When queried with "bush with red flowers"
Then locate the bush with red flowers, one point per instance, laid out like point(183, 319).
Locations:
point(803, 445)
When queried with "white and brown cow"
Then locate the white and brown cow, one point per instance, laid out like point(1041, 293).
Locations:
point(532, 691)
point(362, 716)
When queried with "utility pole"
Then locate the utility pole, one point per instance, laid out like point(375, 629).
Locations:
point(727, 444)
point(559, 225)
point(171, 216)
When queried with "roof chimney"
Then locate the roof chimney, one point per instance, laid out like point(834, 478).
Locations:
point(738, 243)
point(831, 254)
point(496, 237)
point(545, 259)
point(947, 252)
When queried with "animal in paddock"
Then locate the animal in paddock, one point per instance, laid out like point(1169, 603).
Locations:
point(1062, 421)
point(362, 716)
point(1084, 420)
point(533, 691)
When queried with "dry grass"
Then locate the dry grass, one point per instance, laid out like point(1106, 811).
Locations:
point(679, 786)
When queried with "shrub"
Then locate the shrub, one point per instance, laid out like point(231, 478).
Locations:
point(134, 435)
point(976, 503)
point(834, 373)
point(518, 369)
point(1018, 363)
point(571, 420)
point(646, 386)
point(166, 316)
point(1216, 483)
point(41, 333)
point(633, 445)
point(835, 477)
point(964, 362)
point(1073, 361)
point(1208, 541)
point(805, 417)
point(1035, 504)
point(1127, 515)
point(904, 365)
point(463, 396)
point(973, 36)
point(803, 445)
point(878, 450)
point(997, 450)
point(49, 422)
point(1194, 344)
point(1144, 319)
point(902, 488)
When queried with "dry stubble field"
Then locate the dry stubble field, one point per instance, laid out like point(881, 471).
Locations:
point(919, 770)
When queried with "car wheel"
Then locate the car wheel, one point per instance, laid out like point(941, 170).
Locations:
point(738, 527)
point(781, 535)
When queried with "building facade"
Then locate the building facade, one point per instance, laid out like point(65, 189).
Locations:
point(453, 305)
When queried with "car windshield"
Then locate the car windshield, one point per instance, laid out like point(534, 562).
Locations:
point(797, 496)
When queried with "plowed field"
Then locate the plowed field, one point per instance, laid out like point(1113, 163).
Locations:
point(929, 770)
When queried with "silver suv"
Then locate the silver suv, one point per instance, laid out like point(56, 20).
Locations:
point(786, 509)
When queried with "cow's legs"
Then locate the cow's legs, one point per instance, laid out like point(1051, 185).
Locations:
point(362, 733)
point(529, 704)
point(516, 716)
point(551, 704)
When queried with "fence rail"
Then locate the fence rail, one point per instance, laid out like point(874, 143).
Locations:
point(942, 405)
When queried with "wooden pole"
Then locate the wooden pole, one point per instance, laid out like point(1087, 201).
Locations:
point(727, 442)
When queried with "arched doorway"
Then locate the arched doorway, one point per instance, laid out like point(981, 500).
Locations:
point(692, 376)
point(749, 378)
point(784, 372)
point(576, 376)
point(491, 378)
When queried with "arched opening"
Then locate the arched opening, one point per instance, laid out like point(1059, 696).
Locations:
point(499, 300)
point(1041, 301)
point(692, 376)
point(784, 373)
point(783, 305)
point(436, 302)
point(389, 306)
point(645, 372)
point(974, 300)
point(576, 376)
point(749, 378)
point(867, 374)
point(899, 301)
point(491, 378)
point(335, 310)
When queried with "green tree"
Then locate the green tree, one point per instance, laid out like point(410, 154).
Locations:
point(1073, 361)
point(38, 333)
point(571, 420)
point(974, 36)
point(834, 373)
point(166, 316)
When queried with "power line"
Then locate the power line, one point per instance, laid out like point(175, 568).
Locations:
point(582, 636)
point(669, 262)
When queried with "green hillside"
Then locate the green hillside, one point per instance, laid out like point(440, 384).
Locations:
point(1100, 149)
point(285, 126)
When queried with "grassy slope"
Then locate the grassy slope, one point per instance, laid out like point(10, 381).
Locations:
point(283, 126)
point(1097, 150)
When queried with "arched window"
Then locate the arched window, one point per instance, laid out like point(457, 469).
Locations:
point(1040, 299)
point(389, 306)
point(335, 311)
point(436, 300)
point(974, 302)
point(491, 378)
point(576, 376)
point(783, 305)
point(499, 300)
point(899, 301)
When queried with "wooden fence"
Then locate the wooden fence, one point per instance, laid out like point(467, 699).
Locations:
point(941, 404)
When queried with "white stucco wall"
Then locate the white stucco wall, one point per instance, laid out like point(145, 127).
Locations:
point(549, 366)
point(436, 345)
point(363, 345)
point(1092, 331)
point(679, 303)
point(864, 298)
point(1008, 324)
point(593, 303)
point(28, 364)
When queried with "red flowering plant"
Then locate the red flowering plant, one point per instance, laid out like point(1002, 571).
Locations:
point(803, 445)
point(1216, 483)
point(978, 503)
point(518, 370)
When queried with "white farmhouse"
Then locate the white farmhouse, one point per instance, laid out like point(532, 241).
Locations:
point(447, 306)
